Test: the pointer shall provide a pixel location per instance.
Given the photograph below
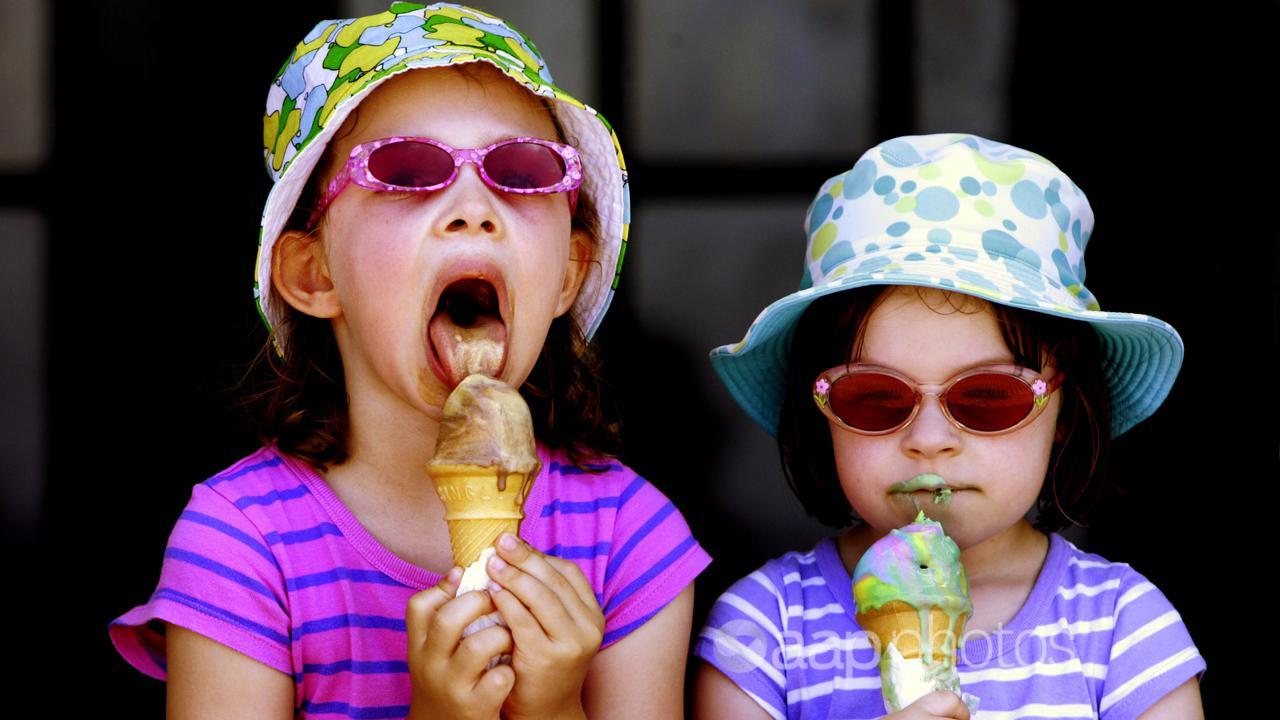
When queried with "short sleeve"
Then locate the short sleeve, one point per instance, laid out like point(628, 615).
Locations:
point(218, 579)
point(653, 557)
point(743, 639)
point(1151, 651)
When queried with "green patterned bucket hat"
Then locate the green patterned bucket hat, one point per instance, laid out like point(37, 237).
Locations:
point(963, 213)
point(340, 62)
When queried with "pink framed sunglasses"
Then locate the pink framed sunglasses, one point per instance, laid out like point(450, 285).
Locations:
point(987, 400)
point(521, 165)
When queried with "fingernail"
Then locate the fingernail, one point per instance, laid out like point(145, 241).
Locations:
point(508, 541)
point(455, 575)
point(497, 563)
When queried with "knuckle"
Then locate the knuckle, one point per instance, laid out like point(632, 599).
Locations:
point(594, 636)
point(422, 602)
point(571, 570)
point(438, 623)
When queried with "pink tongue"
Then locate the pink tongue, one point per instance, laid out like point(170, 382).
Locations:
point(463, 351)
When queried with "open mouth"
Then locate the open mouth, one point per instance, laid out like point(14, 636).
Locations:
point(467, 332)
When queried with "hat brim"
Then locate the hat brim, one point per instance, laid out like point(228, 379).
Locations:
point(604, 182)
point(1142, 355)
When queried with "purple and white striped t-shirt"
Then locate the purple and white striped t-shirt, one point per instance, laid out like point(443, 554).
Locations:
point(1093, 639)
point(267, 560)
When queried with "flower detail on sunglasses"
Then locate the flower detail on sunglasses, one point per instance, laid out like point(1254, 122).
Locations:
point(820, 389)
point(1041, 390)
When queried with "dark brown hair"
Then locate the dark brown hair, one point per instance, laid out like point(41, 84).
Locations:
point(299, 401)
point(831, 331)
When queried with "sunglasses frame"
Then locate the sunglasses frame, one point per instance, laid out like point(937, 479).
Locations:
point(356, 170)
point(1041, 388)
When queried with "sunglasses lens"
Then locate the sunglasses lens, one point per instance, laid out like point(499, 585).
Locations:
point(410, 164)
point(990, 401)
point(524, 166)
point(871, 401)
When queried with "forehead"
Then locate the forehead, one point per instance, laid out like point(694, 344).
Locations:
point(464, 106)
point(931, 335)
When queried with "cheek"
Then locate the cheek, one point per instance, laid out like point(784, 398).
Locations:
point(857, 459)
point(373, 270)
point(544, 260)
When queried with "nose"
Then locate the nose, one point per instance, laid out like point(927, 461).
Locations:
point(468, 207)
point(931, 434)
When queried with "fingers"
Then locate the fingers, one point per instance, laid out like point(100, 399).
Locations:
point(573, 574)
point(528, 575)
point(944, 704)
point(477, 649)
point(518, 553)
point(526, 631)
point(497, 682)
point(423, 606)
point(435, 625)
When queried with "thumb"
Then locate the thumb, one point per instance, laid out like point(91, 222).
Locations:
point(424, 605)
point(449, 583)
point(497, 682)
point(944, 704)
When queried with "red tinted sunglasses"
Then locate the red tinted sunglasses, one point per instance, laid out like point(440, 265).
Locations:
point(522, 165)
point(987, 400)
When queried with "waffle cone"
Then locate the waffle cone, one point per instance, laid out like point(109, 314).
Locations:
point(929, 635)
point(476, 510)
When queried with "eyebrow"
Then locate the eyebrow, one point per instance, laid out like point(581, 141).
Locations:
point(490, 139)
point(1002, 360)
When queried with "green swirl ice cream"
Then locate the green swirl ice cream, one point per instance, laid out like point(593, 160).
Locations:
point(912, 595)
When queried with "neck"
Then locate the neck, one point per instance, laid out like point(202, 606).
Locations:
point(389, 444)
point(1004, 553)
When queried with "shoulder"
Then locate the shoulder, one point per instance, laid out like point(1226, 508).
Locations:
point(256, 479)
point(1104, 586)
point(603, 498)
point(266, 488)
point(222, 575)
point(1125, 624)
point(793, 579)
point(781, 632)
point(600, 477)
point(255, 517)
point(787, 573)
point(1105, 596)
point(631, 542)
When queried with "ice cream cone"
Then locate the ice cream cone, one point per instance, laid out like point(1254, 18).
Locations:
point(480, 503)
point(928, 634)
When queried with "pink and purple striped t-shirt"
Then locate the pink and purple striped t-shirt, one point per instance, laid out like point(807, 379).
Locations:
point(267, 560)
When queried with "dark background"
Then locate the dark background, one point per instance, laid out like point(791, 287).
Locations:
point(151, 188)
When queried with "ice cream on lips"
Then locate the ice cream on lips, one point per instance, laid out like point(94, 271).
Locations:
point(926, 481)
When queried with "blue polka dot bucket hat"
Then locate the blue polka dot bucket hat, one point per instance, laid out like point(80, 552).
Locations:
point(962, 213)
point(340, 62)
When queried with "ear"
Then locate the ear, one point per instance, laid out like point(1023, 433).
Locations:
point(300, 272)
point(580, 257)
